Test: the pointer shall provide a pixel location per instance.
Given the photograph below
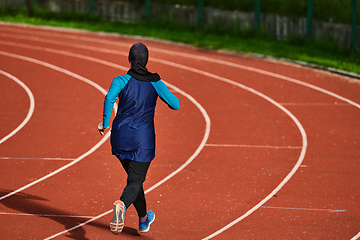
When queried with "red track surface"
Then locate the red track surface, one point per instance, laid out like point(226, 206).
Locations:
point(271, 150)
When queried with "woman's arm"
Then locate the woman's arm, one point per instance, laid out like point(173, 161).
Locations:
point(165, 95)
point(116, 86)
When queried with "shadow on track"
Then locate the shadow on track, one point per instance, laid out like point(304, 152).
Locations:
point(31, 204)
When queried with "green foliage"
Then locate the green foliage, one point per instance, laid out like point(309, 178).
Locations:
point(12, 11)
point(323, 53)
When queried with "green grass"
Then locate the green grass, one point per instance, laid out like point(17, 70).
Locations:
point(322, 53)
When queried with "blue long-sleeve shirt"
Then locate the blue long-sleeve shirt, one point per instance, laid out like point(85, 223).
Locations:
point(133, 132)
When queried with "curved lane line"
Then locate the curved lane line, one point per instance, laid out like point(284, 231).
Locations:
point(195, 154)
point(203, 142)
point(62, 43)
point(31, 108)
point(297, 122)
point(185, 55)
point(83, 155)
point(70, 54)
point(202, 110)
point(264, 73)
point(261, 72)
point(287, 178)
point(207, 119)
point(357, 236)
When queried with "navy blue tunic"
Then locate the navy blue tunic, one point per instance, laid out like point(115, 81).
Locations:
point(133, 132)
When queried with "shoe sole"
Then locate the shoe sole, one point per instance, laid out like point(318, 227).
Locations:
point(117, 226)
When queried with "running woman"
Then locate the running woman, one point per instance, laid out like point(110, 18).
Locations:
point(133, 133)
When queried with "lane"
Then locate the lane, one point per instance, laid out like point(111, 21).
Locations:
point(171, 175)
point(279, 91)
point(199, 61)
point(6, 108)
point(57, 68)
point(28, 142)
point(83, 155)
point(271, 68)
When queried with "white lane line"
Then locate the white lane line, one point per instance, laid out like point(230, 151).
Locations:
point(104, 139)
point(251, 146)
point(195, 154)
point(305, 209)
point(302, 155)
point(80, 225)
point(62, 43)
point(287, 178)
point(357, 236)
point(268, 74)
point(31, 108)
point(203, 142)
point(67, 36)
point(38, 158)
point(44, 215)
point(296, 121)
point(64, 53)
point(187, 55)
point(316, 104)
point(56, 68)
point(261, 72)
point(125, 54)
point(300, 127)
point(291, 173)
point(235, 65)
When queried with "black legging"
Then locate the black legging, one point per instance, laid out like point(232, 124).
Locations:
point(133, 193)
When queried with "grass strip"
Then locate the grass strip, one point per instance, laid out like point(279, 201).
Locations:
point(322, 53)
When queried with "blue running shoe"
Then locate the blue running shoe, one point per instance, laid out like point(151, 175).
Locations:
point(145, 225)
point(117, 222)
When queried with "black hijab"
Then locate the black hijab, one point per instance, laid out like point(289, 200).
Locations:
point(138, 58)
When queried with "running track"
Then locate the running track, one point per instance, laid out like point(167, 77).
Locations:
point(258, 150)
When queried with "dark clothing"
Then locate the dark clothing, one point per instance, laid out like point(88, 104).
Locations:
point(149, 77)
point(133, 193)
point(138, 58)
point(133, 133)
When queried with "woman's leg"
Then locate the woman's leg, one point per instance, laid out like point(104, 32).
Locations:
point(133, 193)
point(140, 204)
